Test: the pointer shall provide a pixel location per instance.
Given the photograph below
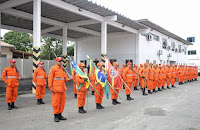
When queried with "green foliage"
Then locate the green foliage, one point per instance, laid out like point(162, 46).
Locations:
point(22, 41)
point(70, 50)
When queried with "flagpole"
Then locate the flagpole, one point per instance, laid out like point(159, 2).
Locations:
point(125, 84)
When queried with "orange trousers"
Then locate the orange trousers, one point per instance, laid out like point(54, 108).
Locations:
point(144, 83)
point(81, 96)
point(150, 84)
point(93, 84)
point(173, 81)
point(113, 94)
point(155, 84)
point(159, 83)
point(129, 84)
point(135, 82)
point(11, 94)
point(163, 82)
point(75, 90)
point(179, 78)
point(40, 91)
point(58, 102)
point(168, 81)
point(98, 99)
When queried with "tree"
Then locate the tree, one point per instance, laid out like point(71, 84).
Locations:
point(70, 50)
point(22, 41)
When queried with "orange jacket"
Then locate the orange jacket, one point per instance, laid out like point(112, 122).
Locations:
point(39, 77)
point(11, 76)
point(156, 73)
point(144, 72)
point(173, 70)
point(122, 71)
point(135, 76)
point(168, 72)
point(163, 71)
point(151, 73)
point(80, 81)
point(128, 75)
point(57, 79)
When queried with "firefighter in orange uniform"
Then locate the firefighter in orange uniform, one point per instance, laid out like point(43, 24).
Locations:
point(173, 75)
point(163, 71)
point(196, 73)
point(168, 75)
point(100, 90)
point(122, 71)
point(39, 78)
point(180, 75)
point(74, 84)
point(81, 89)
point(128, 78)
point(56, 81)
point(144, 74)
point(114, 96)
point(160, 76)
point(135, 77)
point(151, 78)
point(140, 78)
point(156, 77)
point(10, 76)
point(92, 77)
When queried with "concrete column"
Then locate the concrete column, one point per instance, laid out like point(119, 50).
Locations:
point(75, 49)
point(103, 42)
point(64, 49)
point(36, 35)
point(137, 52)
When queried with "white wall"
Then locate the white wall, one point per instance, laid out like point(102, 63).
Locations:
point(120, 45)
point(7, 52)
point(149, 49)
point(196, 46)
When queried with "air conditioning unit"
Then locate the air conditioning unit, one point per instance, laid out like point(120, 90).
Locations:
point(160, 52)
point(149, 37)
point(169, 55)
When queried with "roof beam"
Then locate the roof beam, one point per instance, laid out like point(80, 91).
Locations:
point(123, 27)
point(12, 3)
point(31, 32)
point(49, 21)
point(51, 29)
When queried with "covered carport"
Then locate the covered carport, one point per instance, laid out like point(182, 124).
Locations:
point(63, 19)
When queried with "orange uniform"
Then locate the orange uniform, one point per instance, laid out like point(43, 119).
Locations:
point(135, 77)
point(10, 76)
point(180, 74)
point(173, 71)
point(74, 83)
point(160, 77)
point(39, 78)
point(82, 92)
point(56, 82)
point(169, 75)
point(151, 78)
point(156, 77)
point(144, 72)
point(140, 78)
point(128, 77)
point(163, 71)
point(100, 90)
point(92, 77)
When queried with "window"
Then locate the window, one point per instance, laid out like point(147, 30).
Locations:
point(4, 55)
point(154, 61)
point(147, 61)
point(173, 46)
point(191, 52)
point(129, 60)
point(179, 48)
point(164, 43)
point(113, 60)
point(155, 37)
point(191, 39)
point(84, 61)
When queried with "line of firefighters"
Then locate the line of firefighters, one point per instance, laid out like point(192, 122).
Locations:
point(146, 76)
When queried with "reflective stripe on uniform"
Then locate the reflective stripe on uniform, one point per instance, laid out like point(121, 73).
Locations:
point(12, 77)
point(39, 77)
point(58, 78)
point(129, 75)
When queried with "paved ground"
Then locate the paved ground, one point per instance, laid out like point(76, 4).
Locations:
point(174, 109)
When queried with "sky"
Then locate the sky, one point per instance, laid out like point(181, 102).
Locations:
point(180, 17)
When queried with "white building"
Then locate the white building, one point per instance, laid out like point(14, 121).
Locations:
point(194, 51)
point(153, 44)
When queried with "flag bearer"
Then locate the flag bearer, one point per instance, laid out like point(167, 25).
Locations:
point(56, 82)
point(114, 96)
point(39, 78)
point(100, 90)
point(10, 76)
point(82, 92)
point(128, 78)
